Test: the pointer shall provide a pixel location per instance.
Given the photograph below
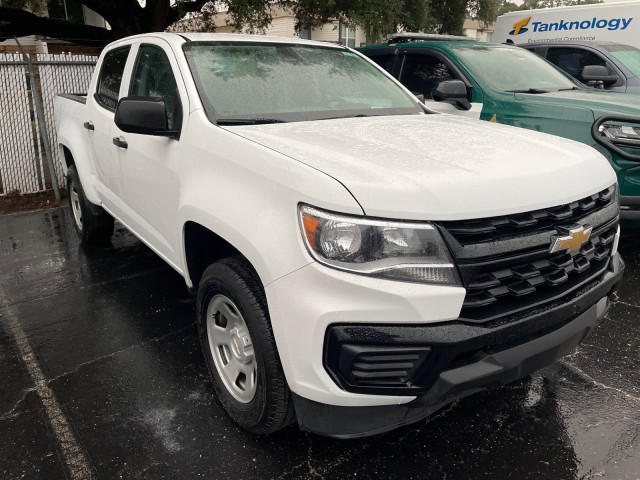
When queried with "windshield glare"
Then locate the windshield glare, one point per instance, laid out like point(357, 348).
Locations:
point(513, 69)
point(628, 56)
point(284, 82)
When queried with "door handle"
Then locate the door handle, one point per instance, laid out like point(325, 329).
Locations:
point(89, 125)
point(120, 142)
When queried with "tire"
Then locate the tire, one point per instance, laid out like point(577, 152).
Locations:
point(230, 288)
point(93, 225)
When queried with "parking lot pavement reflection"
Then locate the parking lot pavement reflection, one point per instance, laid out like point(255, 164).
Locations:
point(112, 331)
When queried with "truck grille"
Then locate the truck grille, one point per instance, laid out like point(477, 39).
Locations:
point(488, 229)
point(509, 271)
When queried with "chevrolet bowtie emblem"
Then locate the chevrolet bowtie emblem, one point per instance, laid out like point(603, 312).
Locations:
point(571, 238)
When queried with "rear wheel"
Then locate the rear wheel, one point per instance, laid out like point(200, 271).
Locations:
point(239, 348)
point(93, 225)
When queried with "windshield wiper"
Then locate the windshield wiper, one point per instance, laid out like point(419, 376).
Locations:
point(348, 116)
point(567, 89)
point(529, 90)
point(248, 121)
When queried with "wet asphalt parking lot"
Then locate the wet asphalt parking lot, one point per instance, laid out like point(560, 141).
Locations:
point(102, 377)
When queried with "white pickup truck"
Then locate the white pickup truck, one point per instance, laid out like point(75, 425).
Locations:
point(359, 261)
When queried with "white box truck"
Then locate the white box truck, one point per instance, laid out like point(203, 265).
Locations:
point(615, 22)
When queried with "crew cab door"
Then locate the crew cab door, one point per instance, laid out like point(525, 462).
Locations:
point(149, 164)
point(99, 122)
point(422, 70)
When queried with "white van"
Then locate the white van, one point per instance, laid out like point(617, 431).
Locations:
point(616, 22)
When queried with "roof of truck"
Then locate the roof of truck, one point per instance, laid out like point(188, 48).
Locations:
point(180, 38)
point(447, 44)
point(425, 37)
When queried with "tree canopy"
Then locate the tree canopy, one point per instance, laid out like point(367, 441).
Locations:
point(376, 17)
point(18, 23)
point(507, 6)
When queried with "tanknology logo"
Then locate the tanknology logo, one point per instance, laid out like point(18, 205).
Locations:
point(610, 24)
point(520, 27)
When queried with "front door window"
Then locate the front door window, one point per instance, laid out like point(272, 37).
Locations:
point(153, 77)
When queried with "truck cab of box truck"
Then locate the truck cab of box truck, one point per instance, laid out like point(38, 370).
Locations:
point(616, 22)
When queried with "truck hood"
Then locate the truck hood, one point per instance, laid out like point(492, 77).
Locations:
point(599, 102)
point(440, 167)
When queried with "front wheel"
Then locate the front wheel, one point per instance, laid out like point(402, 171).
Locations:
point(239, 348)
point(93, 225)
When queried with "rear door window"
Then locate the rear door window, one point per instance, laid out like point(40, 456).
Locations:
point(421, 73)
point(108, 88)
point(385, 60)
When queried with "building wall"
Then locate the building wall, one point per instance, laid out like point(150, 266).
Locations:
point(326, 33)
point(478, 30)
point(30, 44)
point(329, 32)
point(283, 27)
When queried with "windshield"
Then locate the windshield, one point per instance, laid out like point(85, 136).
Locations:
point(514, 69)
point(242, 82)
point(628, 56)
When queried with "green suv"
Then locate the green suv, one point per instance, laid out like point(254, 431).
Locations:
point(510, 85)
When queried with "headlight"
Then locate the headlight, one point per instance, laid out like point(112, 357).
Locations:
point(621, 132)
point(407, 251)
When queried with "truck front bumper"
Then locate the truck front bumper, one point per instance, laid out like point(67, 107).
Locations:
point(461, 359)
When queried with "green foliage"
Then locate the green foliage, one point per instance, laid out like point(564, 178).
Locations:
point(447, 16)
point(38, 7)
point(254, 14)
point(381, 17)
point(377, 17)
point(508, 6)
point(484, 10)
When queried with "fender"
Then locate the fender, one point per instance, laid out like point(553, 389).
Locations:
point(72, 137)
point(190, 213)
point(248, 194)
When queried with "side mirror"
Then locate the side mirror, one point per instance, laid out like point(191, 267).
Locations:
point(453, 92)
point(598, 73)
point(143, 115)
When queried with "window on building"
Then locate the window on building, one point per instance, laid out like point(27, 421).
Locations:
point(347, 35)
point(304, 32)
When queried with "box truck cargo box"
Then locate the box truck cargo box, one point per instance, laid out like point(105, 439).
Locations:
point(616, 22)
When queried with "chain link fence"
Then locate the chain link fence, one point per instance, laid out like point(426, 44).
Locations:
point(23, 164)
